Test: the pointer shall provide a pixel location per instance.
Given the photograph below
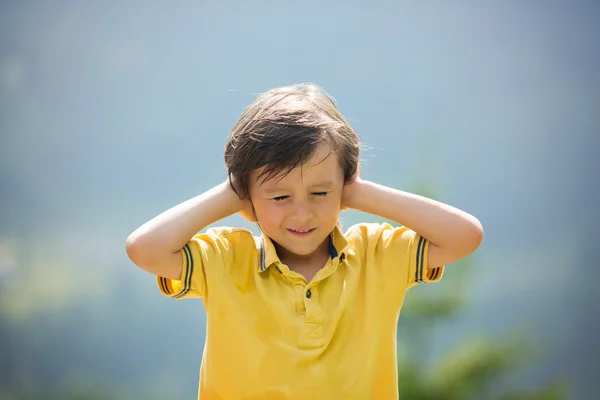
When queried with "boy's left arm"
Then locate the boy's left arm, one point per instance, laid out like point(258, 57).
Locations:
point(452, 234)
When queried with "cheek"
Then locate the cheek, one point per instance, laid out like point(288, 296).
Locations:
point(330, 208)
point(268, 212)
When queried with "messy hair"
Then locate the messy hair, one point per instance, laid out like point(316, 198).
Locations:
point(281, 130)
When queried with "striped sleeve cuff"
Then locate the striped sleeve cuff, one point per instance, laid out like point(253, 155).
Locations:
point(422, 274)
point(180, 289)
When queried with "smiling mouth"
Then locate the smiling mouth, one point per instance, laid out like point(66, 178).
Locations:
point(301, 231)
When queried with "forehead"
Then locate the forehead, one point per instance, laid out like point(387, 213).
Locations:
point(322, 167)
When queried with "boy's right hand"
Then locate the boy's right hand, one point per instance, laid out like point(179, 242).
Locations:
point(248, 212)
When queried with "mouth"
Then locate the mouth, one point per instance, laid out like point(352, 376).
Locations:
point(301, 232)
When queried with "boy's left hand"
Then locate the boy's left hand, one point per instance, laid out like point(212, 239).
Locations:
point(351, 190)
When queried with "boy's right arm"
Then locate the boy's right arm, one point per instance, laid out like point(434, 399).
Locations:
point(156, 245)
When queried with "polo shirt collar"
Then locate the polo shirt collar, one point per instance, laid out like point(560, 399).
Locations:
point(338, 247)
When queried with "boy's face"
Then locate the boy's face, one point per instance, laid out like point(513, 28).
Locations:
point(299, 211)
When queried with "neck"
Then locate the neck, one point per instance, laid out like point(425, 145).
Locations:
point(317, 257)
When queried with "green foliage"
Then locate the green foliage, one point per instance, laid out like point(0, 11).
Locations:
point(554, 391)
point(476, 367)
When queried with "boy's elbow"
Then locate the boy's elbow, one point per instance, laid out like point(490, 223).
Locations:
point(475, 235)
point(135, 249)
point(143, 254)
point(131, 248)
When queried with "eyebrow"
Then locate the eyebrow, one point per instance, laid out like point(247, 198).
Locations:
point(323, 184)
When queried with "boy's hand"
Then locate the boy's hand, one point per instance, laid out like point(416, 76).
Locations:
point(246, 209)
point(351, 190)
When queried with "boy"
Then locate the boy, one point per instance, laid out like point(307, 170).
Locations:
point(303, 311)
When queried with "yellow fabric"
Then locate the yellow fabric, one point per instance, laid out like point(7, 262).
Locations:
point(266, 339)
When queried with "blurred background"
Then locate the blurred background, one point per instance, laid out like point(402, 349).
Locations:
point(112, 112)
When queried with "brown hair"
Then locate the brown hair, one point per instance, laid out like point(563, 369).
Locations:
point(281, 130)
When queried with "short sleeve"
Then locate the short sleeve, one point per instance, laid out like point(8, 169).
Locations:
point(204, 260)
point(404, 258)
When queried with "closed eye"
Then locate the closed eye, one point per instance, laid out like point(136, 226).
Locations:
point(282, 198)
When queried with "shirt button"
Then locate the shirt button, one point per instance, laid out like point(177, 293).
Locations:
point(308, 294)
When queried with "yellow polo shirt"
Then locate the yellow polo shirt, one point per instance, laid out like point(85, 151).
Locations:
point(272, 335)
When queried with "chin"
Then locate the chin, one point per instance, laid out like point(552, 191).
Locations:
point(298, 250)
point(304, 249)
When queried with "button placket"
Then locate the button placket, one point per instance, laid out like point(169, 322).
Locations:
point(300, 306)
point(313, 326)
point(311, 299)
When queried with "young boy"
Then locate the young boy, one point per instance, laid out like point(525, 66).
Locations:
point(304, 311)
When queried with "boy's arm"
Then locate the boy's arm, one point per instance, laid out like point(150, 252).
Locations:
point(452, 234)
point(156, 245)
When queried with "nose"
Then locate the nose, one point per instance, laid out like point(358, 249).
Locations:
point(302, 212)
